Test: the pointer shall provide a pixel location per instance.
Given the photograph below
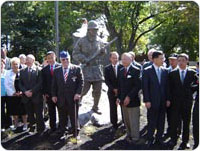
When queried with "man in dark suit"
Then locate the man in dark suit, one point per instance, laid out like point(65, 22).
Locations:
point(66, 92)
point(47, 76)
point(134, 62)
point(156, 97)
point(181, 81)
point(195, 114)
point(129, 84)
point(150, 62)
point(30, 83)
point(173, 62)
point(110, 73)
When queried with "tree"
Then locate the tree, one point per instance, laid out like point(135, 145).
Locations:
point(138, 25)
point(179, 33)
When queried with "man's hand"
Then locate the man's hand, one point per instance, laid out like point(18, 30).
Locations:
point(126, 101)
point(77, 97)
point(28, 93)
point(117, 102)
point(168, 103)
point(148, 105)
point(54, 99)
point(115, 91)
point(17, 94)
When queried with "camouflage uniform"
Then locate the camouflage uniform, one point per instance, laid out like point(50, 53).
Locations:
point(84, 49)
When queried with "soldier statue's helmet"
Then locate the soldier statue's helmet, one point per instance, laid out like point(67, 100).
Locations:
point(64, 54)
point(93, 25)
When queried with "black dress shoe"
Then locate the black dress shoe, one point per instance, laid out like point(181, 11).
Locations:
point(184, 146)
point(159, 142)
point(171, 143)
point(149, 143)
point(52, 130)
point(166, 136)
point(32, 130)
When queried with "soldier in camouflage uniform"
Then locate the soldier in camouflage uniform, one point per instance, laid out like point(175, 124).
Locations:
point(84, 50)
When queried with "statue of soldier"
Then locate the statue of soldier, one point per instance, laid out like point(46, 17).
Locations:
point(84, 52)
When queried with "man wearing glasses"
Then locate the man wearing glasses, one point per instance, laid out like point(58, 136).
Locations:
point(66, 92)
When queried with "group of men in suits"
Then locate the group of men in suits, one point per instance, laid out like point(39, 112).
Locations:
point(165, 90)
point(61, 87)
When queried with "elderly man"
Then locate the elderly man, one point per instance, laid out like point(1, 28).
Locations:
point(134, 62)
point(89, 52)
point(129, 85)
point(22, 58)
point(30, 83)
point(150, 62)
point(173, 62)
point(67, 86)
point(111, 73)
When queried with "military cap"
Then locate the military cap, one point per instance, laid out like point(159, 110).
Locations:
point(93, 25)
point(64, 54)
point(173, 56)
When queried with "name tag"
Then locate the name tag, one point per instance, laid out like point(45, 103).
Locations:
point(74, 78)
point(129, 76)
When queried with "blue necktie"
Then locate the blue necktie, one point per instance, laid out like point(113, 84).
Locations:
point(182, 76)
point(158, 74)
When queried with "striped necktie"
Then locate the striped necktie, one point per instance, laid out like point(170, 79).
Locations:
point(65, 74)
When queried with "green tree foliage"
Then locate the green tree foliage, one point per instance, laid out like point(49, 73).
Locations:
point(173, 26)
point(180, 31)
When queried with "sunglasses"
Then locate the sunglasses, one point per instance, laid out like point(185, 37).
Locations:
point(64, 59)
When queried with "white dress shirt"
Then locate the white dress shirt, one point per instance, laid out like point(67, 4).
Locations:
point(116, 66)
point(180, 72)
point(9, 82)
point(68, 68)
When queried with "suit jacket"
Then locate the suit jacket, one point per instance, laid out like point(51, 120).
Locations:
point(47, 79)
point(66, 90)
point(110, 77)
point(182, 92)
point(34, 84)
point(129, 85)
point(153, 91)
point(147, 64)
point(135, 63)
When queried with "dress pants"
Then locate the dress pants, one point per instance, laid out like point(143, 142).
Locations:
point(52, 113)
point(156, 120)
point(195, 123)
point(68, 107)
point(113, 109)
point(34, 111)
point(132, 121)
point(181, 112)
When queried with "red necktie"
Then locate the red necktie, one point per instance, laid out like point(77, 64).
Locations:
point(125, 71)
point(51, 70)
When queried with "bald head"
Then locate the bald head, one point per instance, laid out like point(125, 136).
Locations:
point(126, 59)
point(30, 59)
point(150, 52)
